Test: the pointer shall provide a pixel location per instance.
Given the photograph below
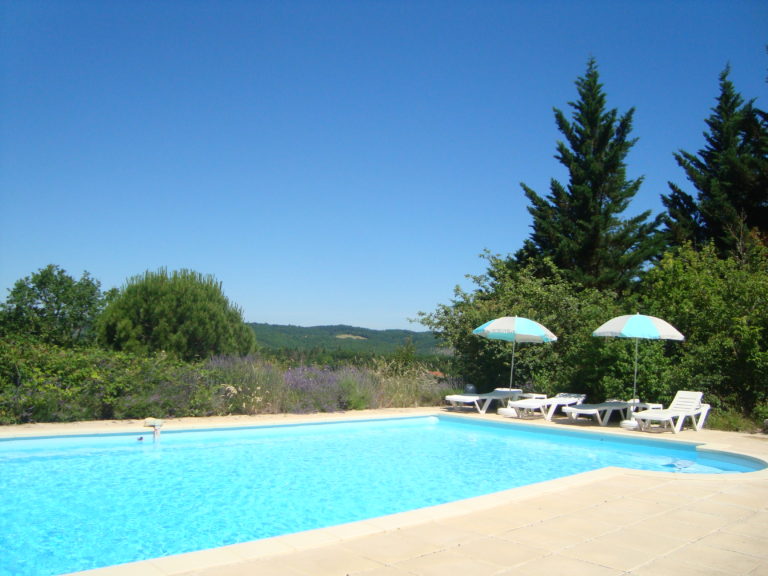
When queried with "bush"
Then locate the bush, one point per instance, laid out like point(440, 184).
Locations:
point(44, 383)
point(184, 314)
point(732, 421)
point(246, 385)
point(408, 385)
point(574, 363)
point(720, 306)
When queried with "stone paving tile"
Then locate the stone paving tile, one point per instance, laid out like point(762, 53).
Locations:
point(496, 521)
point(713, 506)
point(544, 536)
point(676, 567)
point(624, 511)
point(447, 563)
point(523, 552)
point(752, 525)
point(619, 557)
point(525, 514)
point(327, 561)
point(663, 525)
point(676, 495)
point(391, 547)
point(381, 571)
point(755, 545)
point(747, 495)
point(688, 515)
point(701, 554)
point(574, 525)
point(556, 564)
point(439, 534)
point(549, 506)
point(649, 542)
point(498, 551)
point(761, 570)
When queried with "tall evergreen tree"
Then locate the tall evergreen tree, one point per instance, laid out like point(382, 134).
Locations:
point(730, 175)
point(579, 226)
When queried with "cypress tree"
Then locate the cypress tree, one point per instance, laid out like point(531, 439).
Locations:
point(579, 226)
point(730, 175)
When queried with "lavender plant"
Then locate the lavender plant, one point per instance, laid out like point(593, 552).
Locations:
point(312, 389)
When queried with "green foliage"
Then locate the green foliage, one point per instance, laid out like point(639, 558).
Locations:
point(732, 420)
point(184, 314)
point(407, 385)
point(721, 306)
point(579, 226)
point(572, 363)
point(730, 175)
point(53, 307)
point(45, 383)
point(247, 385)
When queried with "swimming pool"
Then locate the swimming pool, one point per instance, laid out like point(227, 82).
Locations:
point(79, 502)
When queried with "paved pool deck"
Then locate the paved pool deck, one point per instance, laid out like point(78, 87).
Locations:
point(608, 522)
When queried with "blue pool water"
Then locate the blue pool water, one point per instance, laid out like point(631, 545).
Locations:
point(81, 502)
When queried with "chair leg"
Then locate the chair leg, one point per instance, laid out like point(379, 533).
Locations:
point(699, 422)
point(599, 418)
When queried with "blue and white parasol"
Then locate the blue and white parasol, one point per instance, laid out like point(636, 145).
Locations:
point(638, 326)
point(514, 329)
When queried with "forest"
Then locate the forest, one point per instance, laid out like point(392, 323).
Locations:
point(343, 340)
point(171, 344)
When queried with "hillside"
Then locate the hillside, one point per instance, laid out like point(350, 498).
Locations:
point(341, 337)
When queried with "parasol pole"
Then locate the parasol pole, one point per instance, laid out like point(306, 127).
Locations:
point(512, 370)
point(634, 385)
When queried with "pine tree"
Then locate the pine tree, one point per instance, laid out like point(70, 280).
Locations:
point(579, 226)
point(730, 175)
point(183, 313)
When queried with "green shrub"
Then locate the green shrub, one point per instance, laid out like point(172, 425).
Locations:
point(183, 313)
point(731, 421)
point(355, 393)
point(44, 383)
point(246, 385)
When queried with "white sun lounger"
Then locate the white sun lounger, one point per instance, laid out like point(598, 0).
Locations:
point(483, 401)
point(601, 412)
point(684, 405)
point(547, 406)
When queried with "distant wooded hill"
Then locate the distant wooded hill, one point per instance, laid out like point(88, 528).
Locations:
point(341, 337)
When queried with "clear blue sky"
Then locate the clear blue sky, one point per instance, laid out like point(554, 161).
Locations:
point(330, 161)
